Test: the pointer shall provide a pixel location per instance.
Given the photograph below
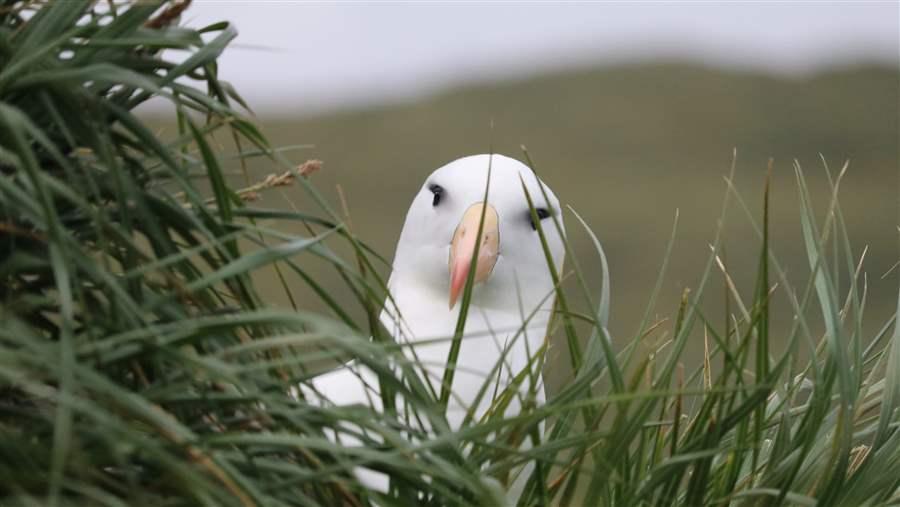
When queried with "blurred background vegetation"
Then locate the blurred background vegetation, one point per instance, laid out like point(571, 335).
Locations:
point(628, 146)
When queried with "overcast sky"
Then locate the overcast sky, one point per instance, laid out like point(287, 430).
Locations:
point(301, 56)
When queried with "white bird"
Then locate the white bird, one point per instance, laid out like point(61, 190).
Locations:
point(512, 295)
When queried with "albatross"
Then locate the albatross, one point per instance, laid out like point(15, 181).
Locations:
point(512, 293)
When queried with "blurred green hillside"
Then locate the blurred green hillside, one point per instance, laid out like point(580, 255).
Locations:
point(627, 147)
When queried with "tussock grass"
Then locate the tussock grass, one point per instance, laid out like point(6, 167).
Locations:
point(139, 365)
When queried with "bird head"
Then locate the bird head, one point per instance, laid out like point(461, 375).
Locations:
point(452, 231)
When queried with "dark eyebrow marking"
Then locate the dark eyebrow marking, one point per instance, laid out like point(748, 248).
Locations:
point(541, 213)
point(438, 192)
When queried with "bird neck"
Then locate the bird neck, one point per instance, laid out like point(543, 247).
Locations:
point(425, 311)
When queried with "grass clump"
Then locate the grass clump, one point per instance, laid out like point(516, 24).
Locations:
point(139, 364)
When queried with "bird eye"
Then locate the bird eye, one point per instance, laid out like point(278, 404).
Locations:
point(438, 192)
point(541, 213)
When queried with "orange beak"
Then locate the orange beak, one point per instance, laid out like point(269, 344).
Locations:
point(463, 246)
